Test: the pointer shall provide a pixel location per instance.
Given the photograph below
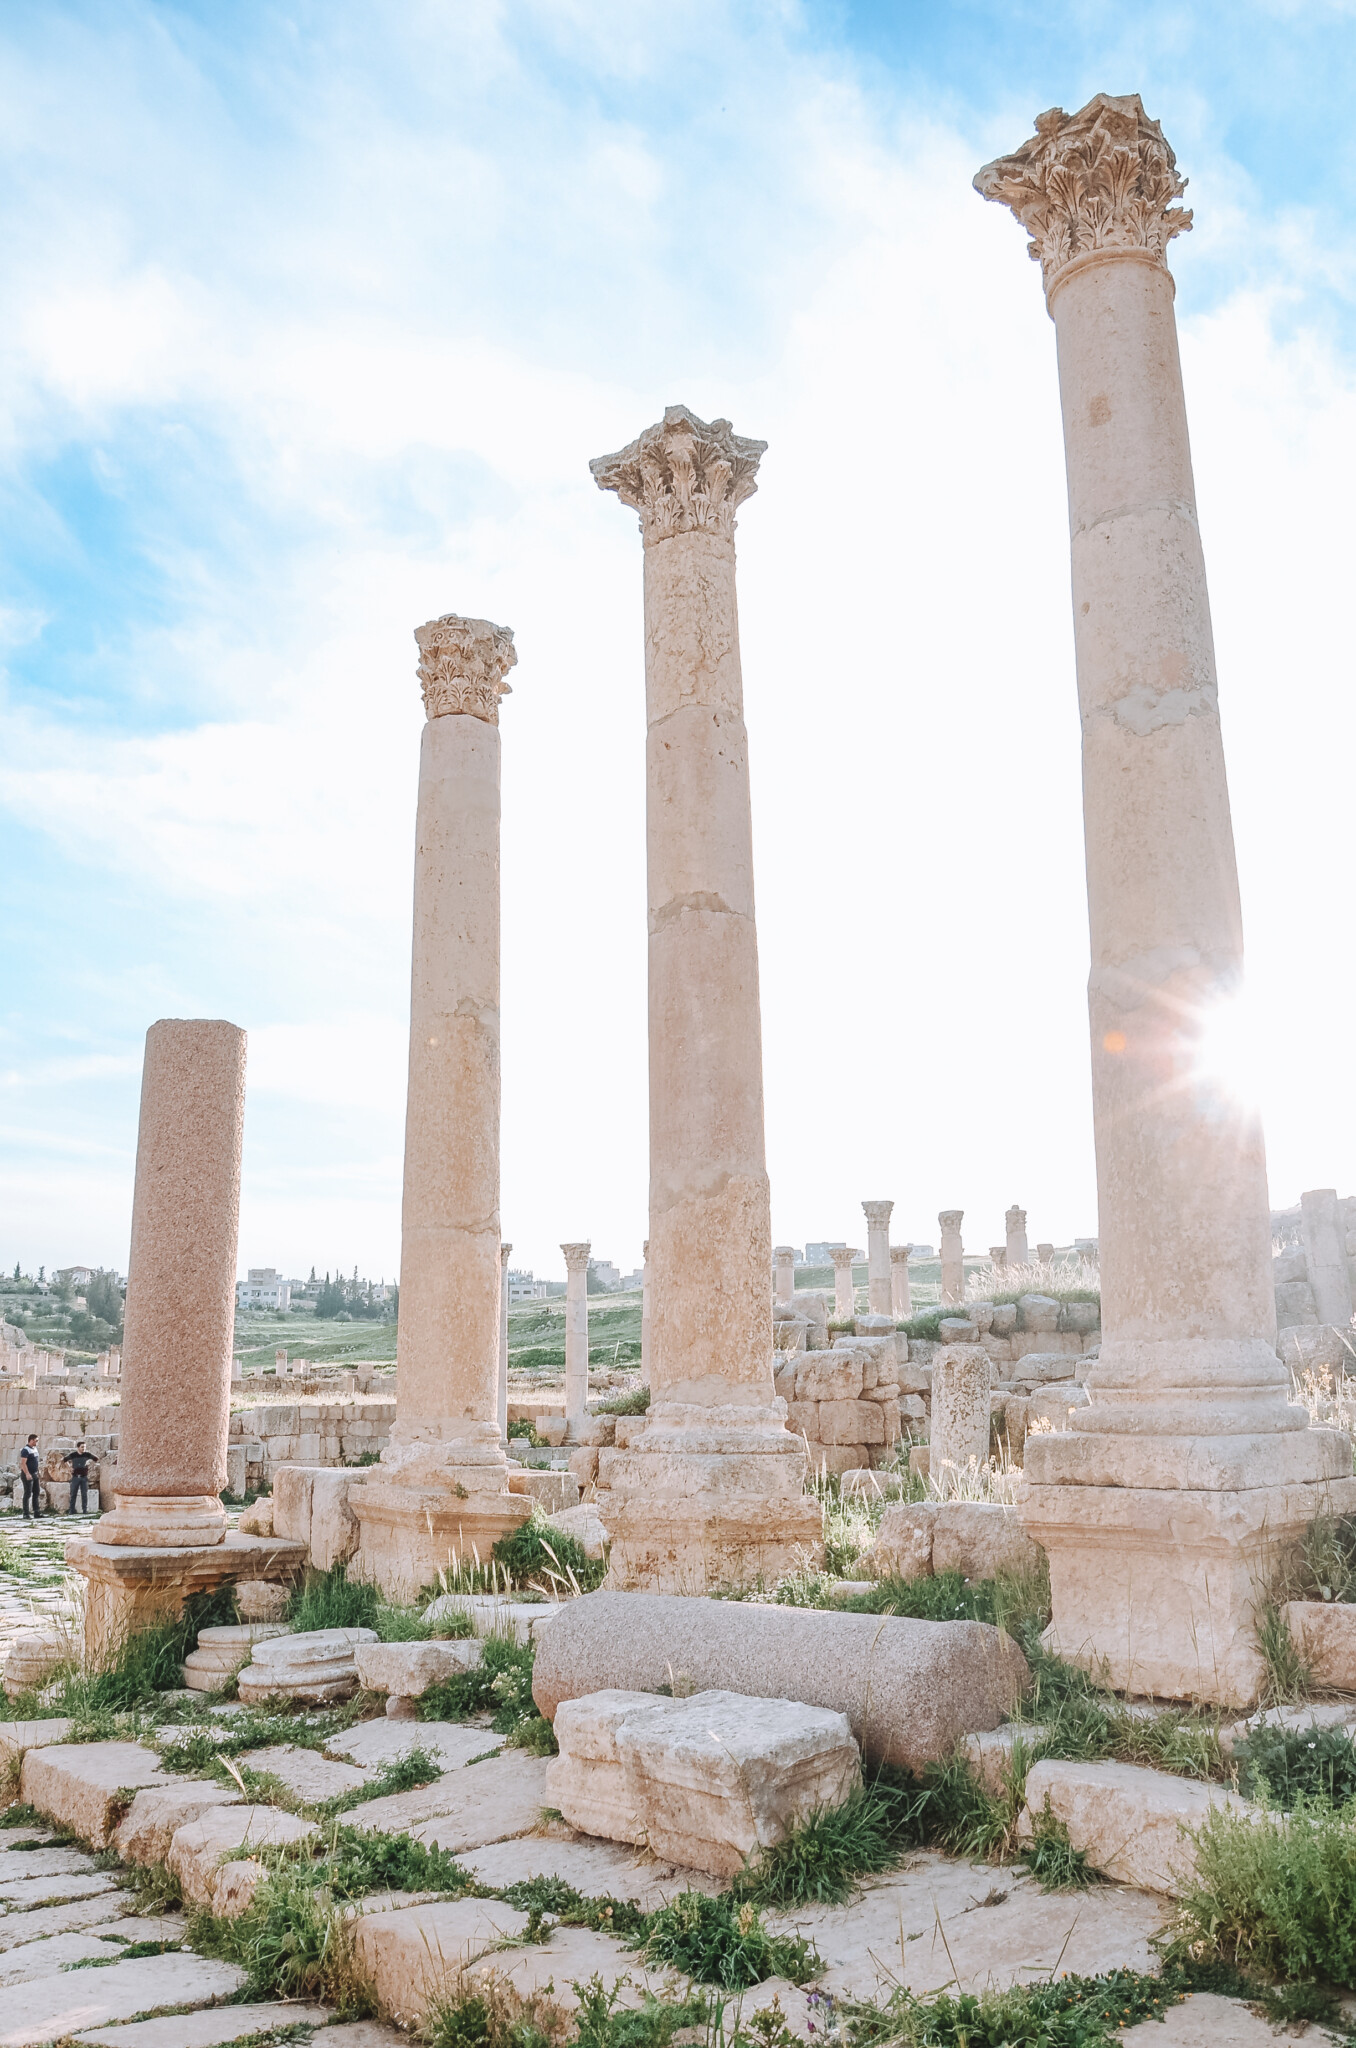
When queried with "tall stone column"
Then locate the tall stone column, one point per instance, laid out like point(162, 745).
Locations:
point(953, 1256)
point(576, 1331)
point(1183, 1481)
point(785, 1255)
point(505, 1253)
point(878, 1256)
point(901, 1299)
point(844, 1295)
point(645, 1313)
point(714, 1490)
point(179, 1320)
point(1325, 1250)
point(1018, 1254)
point(440, 1491)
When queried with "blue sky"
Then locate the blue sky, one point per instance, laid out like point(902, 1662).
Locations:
point(314, 316)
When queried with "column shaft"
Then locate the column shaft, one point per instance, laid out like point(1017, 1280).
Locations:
point(1016, 1246)
point(576, 1331)
point(878, 1291)
point(505, 1251)
point(901, 1298)
point(953, 1256)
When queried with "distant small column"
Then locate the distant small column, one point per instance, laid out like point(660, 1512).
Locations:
point(998, 1257)
point(953, 1256)
point(645, 1313)
point(576, 1331)
point(901, 1300)
point(280, 1361)
point(785, 1255)
point(1325, 1249)
point(1018, 1255)
point(878, 1289)
point(504, 1252)
point(237, 1372)
point(844, 1302)
point(1045, 1252)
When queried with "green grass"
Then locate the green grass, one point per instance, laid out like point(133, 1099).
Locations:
point(637, 1402)
point(500, 1684)
point(1285, 1767)
point(494, 2015)
point(546, 1560)
point(819, 1863)
point(1073, 2012)
point(540, 1897)
point(723, 1942)
point(292, 1941)
point(1276, 1892)
point(1053, 1859)
point(327, 1600)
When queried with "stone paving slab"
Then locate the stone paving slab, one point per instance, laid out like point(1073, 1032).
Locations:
point(410, 1955)
point(208, 2029)
point(572, 1956)
point(145, 1927)
point(1205, 2021)
point(998, 1927)
point(43, 1863)
point(43, 1958)
point(374, 1743)
point(598, 1869)
point(17, 1736)
point(68, 1918)
point(466, 1808)
point(44, 1891)
point(304, 1771)
point(363, 2034)
point(78, 1784)
point(49, 2008)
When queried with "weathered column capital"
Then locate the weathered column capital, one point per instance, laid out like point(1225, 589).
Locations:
point(950, 1219)
point(1015, 1218)
point(504, 1251)
point(784, 1252)
point(577, 1257)
point(843, 1255)
point(683, 474)
point(1093, 184)
point(899, 1254)
point(877, 1212)
point(462, 665)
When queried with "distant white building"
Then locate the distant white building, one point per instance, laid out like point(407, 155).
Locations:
point(522, 1287)
point(74, 1276)
point(265, 1288)
point(605, 1274)
point(818, 1254)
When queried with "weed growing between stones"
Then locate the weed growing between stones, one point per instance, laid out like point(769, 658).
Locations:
point(1288, 1677)
point(1284, 1767)
point(500, 1684)
point(1327, 1562)
point(539, 1897)
point(722, 1941)
point(1052, 1858)
point(546, 1560)
point(200, 1750)
point(493, 2015)
point(146, 1664)
point(293, 1941)
point(820, 1861)
point(599, 2023)
point(637, 1402)
point(1074, 2012)
point(327, 1600)
point(1275, 1892)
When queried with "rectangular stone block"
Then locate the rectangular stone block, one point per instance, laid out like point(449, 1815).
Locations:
point(158, 1812)
point(1130, 1822)
point(198, 1850)
point(829, 1376)
point(418, 1951)
point(1324, 1633)
point(803, 1418)
point(851, 1422)
point(588, 1780)
point(78, 1784)
point(718, 1777)
point(409, 1669)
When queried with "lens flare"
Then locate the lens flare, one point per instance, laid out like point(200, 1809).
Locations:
point(1227, 1049)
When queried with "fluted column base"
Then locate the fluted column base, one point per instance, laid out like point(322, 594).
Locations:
point(1162, 1551)
point(708, 1500)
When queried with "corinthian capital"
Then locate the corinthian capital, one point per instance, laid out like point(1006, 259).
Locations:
point(576, 1257)
point(877, 1212)
point(682, 474)
point(844, 1257)
point(462, 665)
point(1100, 181)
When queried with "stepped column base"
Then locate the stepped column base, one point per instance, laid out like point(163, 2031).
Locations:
point(430, 1507)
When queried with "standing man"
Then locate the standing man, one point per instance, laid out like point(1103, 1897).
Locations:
point(79, 1461)
point(28, 1469)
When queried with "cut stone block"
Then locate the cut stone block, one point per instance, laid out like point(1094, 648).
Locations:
point(211, 2029)
point(42, 1863)
point(552, 1491)
point(72, 2002)
point(1207, 2020)
point(871, 1485)
point(490, 1614)
point(1324, 1633)
point(26, 1892)
point(17, 1736)
point(573, 1956)
point(221, 1652)
point(1128, 1820)
point(910, 1689)
point(69, 1917)
point(374, 1743)
point(412, 1954)
point(597, 1869)
point(980, 1539)
point(197, 1850)
point(257, 1600)
point(1313, 1714)
point(991, 1755)
point(165, 1927)
point(903, 1545)
point(585, 1524)
point(486, 1802)
point(312, 1504)
point(78, 1784)
point(36, 1656)
point(159, 1811)
point(43, 1958)
point(409, 1669)
point(304, 1771)
point(719, 1777)
point(588, 1781)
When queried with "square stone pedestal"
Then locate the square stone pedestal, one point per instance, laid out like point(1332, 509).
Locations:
point(128, 1588)
point(409, 1534)
point(1156, 1589)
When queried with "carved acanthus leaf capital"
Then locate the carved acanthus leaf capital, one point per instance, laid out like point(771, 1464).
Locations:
point(844, 1255)
point(462, 665)
point(577, 1257)
point(1100, 180)
point(899, 1254)
point(877, 1212)
point(950, 1219)
point(683, 474)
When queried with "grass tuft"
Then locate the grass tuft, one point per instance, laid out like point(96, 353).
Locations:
point(722, 1942)
point(1275, 1892)
point(818, 1863)
point(1285, 1767)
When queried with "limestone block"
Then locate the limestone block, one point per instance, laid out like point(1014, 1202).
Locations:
point(221, 1652)
point(316, 1666)
point(1290, 1266)
point(850, 1422)
point(830, 1375)
point(1038, 1312)
point(197, 1849)
point(998, 1348)
point(553, 1429)
point(874, 1326)
point(1315, 1348)
point(218, 2025)
point(981, 1539)
point(784, 1381)
point(595, 1430)
point(1295, 1303)
point(258, 1519)
point(1055, 1404)
point(960, 1410)
point(719, 1777)
point(412, 1954)
point(1040, 1366)
point(915, 1373)
point(1325, 1634)
point(835, 1459)
point(958, 1330)
point(495, 1614)
point(304, 1772)
point(53, 2008)
point(18, 1736)
point(1004, 1319)
point(78, 1784)
point(585, 1524)
point(587, 1782)
point(496, 1799)
point(409, 1669)
point(814, 1306)
point(552, 1491)
point(910, 1689)
point(1028, 1343)
point(36, 1656)
point(802, 1417)
point(584, 1465)
point(236, 1469)
point(903, 1545)
point(892, 1416)
point(159, 1811)
point(1002, 1753)
point(980, 1313)
point(1129, 1821)
point(1082, 1316)
point(258, 1600)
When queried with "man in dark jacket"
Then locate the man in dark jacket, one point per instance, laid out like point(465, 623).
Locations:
point(28, 1472)
point(79, 1461)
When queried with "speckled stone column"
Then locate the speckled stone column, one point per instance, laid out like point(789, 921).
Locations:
point(576, 1331)
point(901, 1297)
point(878, 1256)
point(1175, 1494)
point(180, 1313)
point(713, 1491)
point(441, 1488)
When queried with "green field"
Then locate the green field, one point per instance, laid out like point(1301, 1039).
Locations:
point(303, 1337)
point(537, 1333)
